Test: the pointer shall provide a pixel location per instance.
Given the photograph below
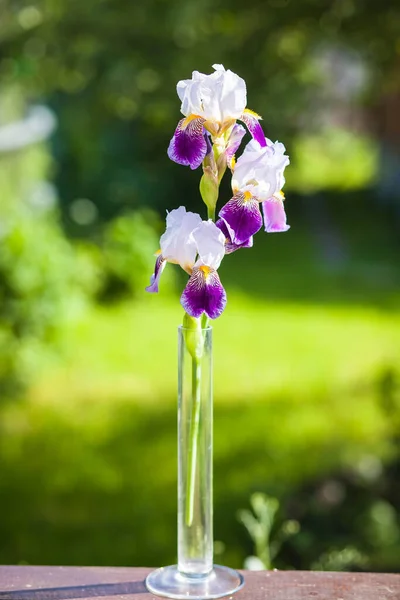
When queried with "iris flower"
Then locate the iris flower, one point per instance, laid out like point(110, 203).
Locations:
point(211, 103)
point(230, 245)
point(257, 178)
point(198, 247)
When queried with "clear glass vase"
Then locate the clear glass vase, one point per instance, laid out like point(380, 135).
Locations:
point(195, 576)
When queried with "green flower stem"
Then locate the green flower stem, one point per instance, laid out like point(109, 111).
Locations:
point(193, 441)
point(204, 321)
point(196, 391)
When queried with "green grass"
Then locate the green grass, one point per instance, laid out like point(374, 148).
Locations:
point(261, 349)
point(88, 459)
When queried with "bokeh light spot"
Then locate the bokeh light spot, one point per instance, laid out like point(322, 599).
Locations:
point(29, 17)
point(83, 211)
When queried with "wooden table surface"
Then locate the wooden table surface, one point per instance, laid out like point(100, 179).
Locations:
point(120, 583)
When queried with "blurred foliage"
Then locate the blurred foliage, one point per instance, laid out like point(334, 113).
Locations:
point(88, 458)
point(110, 68)
point(333, 158)
point(259, 525)
point(40, 289)
point(347, 559)
point(307, 411)
point(39, 292)
point(128, 248)
point(381, 531)
point(355, 510)
point(45, 280)
point(89, 455)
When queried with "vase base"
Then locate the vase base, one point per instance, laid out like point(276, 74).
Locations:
point(170, 583)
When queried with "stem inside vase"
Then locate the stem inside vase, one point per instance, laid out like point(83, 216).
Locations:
point(193, 440)
point(195, 537)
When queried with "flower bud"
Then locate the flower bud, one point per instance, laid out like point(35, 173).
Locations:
point(221, 166)
point(209, 188)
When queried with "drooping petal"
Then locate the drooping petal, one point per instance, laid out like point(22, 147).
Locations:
point(242, 215)
point(155, 278)
point(235, 138)
point(263, 167)
point(274, 216)
point(204, 293)
point(230, 246)
point(280, 162)
point(210, 243)
point(176, 243)
point(188, 146)
point(252, 122)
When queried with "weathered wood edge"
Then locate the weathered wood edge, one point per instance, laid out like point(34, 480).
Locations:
point(110, 583)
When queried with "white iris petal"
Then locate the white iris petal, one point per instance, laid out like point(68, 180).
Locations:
point(262, 168)
point(217, 97)
point(210, 243)
point(177, 244)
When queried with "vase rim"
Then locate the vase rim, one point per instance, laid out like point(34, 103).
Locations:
point(182, 328)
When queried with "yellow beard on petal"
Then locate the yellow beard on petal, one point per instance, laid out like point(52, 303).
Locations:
point(189, 119)
point(247, 196)
point(206, 270)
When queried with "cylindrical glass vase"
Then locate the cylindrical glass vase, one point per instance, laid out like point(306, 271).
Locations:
point(195, 576)
point(195, 430)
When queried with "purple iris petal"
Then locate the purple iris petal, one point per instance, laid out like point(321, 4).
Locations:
point(242, 215)
point(230, 246)
point(274, 216)
point(208, 142)
point(204, 293)
point(188, 145)
point(235, 138)
point(252, 122)
point(155, 278)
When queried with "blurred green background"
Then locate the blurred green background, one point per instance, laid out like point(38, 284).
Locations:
point(307, 369)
